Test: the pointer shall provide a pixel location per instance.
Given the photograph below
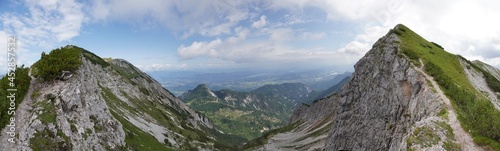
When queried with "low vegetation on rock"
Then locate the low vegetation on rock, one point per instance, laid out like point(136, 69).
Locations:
point(20, 80)
point(475, 112)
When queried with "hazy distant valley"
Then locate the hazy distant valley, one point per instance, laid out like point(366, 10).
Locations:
point(179, 82)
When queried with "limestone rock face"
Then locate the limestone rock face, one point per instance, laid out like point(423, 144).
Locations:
point(376, 110)
point(81, 112)
point(385, 97)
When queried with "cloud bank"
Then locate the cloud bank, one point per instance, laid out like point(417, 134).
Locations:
point(266, 32)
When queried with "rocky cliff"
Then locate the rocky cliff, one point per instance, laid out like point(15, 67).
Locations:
point(395, 100)
point(106, 105)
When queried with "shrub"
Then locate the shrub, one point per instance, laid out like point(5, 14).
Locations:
point(51, 65)
point(437, 45)
point(21, 83)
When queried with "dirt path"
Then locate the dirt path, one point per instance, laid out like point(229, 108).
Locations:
point(462, 137)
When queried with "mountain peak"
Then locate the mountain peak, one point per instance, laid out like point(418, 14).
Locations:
point(404, 85)
point(203, 87)
point(200, 91)
point(111, 102)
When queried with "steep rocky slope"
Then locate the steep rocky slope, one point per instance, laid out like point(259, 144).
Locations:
point(397, 99)
point(492, 70)
point(106, 105)
point(248, 114)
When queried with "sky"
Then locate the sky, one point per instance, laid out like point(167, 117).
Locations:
point(167, 35)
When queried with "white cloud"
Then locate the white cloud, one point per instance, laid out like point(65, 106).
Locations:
point(200, 49)
point(261, 23)
point(313, 36)
point(363, 42)
point(162, 67)
point(46, 22)
point(281, 34)
point(462, 27)
point(98, 10)
point(274, 50)
point(207, 18)
point(337, 9)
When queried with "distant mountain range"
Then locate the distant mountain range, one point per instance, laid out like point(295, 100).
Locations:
point(179, 82)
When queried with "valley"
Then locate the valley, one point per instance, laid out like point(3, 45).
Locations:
point(248, 114)
point(179, 82)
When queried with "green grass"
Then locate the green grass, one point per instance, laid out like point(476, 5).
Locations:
point(128, 72)
point(87, 132)
point(48, 112)
point(73, 128)
point(443, 113)
point(94, 58)
point(448, 143)
point(423, 136)
point(445, 126)
point(144, 91)
point(35, 94)
point(46, 140)
point(450, 146)
point(474, 111)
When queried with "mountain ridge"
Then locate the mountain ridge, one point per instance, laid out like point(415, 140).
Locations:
point(105, 105)
point(390, 104)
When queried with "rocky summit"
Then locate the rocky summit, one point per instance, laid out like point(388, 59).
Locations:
point(104, 105)
point(406, 94)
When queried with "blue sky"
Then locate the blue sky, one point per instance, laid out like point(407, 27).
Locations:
point(231, 35)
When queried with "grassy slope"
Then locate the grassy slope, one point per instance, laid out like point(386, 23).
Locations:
point(475, 112)
point(163, 115)
point(135, 137)
point(245, 122)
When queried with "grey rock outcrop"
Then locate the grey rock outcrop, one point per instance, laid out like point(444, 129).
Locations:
point(378, 109)
point(384, 98)
point(82, 111)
